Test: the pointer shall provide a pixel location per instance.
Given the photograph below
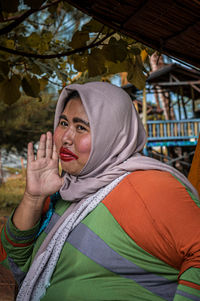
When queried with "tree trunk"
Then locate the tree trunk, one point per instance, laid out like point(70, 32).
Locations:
point(156, 63)
point(1, 170)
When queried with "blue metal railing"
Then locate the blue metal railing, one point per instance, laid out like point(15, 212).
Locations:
point(168, 130)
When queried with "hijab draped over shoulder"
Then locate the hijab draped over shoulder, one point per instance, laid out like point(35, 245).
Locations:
point(118, 138)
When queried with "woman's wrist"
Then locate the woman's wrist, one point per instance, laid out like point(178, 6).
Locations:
point(33, 201)
point(29, 211)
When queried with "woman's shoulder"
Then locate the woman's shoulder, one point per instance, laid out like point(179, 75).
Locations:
point(150, 188)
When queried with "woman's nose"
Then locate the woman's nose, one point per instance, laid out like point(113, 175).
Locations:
point(68, 137)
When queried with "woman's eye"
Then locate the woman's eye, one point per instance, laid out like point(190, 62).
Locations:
point(81, 128)
point(63, 123)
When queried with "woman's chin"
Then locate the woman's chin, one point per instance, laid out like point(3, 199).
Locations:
point(71, 168)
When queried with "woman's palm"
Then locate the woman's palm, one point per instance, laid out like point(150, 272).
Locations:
point(42, 172)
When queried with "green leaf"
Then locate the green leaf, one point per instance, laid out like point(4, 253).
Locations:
point(4, 68)
point(136, 75)
point(10, 43)
point(34, 40)
point(35, 68)
point(9, 89)
point(115, 50)
point(94, 26)
point(80, 62)
point(96, 62)
point(79, 39)
point(31, 85)
point(10, 6)
point(113, 68)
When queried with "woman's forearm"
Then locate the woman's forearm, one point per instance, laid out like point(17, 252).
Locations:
point(28, 212)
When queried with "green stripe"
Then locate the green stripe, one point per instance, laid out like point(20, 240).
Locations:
point(197, 202)
point(101, 222)
point(20, 236)
point(187, 295)
point(189, 290)
point(77, 277)
point(191, 275)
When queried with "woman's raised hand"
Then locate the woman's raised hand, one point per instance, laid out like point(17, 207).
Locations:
point(42, 180)
point(42, 171)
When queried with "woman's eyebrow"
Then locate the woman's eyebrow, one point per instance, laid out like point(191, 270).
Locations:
point(77, 120)
point(63, 117)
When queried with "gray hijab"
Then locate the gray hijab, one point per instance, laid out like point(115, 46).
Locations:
point(118, 137)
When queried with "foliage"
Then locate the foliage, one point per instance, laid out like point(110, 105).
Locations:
point(44, 41)
point(11, 192)
point(25, 121)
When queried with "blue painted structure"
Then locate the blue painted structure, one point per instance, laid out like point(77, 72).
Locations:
point(173, 132)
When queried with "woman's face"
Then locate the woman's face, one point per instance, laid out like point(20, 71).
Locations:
point(73, 138)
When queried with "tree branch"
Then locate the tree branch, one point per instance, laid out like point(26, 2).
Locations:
point(56, 55)
point(24, 16)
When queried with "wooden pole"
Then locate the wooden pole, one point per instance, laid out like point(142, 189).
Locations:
point(179, 106)
point(1, 170)
point(183, 104)
point(192, 96)
point(144, 110)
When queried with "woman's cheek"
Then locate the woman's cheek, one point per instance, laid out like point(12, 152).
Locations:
point(84, 145)
point(57, 138)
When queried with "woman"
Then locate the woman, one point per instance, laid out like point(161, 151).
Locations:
point(122, 227)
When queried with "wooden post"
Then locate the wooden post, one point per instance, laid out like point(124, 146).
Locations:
point(192, 96)
point(179, 106)
point(22, 165)
point(1, 170)
point(183, 104)
point(144, 110)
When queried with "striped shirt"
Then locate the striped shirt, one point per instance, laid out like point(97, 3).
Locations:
point(142, 242)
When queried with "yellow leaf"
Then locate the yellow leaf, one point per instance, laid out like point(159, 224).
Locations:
point(143, 55)
point(136, 75)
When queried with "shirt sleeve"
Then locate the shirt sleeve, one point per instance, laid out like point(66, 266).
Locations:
point(16, 248)
point(177, 218)
point(171, 215)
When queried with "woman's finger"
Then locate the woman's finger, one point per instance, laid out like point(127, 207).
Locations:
point(30, 153)
point(41, 153)
point(49, 145)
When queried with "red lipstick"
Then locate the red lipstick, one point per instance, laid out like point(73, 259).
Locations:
point(66, 155)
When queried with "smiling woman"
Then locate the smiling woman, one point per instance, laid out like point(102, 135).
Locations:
point(72, 136)
point(115, 226)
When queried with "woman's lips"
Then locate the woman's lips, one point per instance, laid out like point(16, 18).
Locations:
point(66, 155)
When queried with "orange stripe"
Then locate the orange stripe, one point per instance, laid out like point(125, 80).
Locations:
point(46, 205)
point(3, 254)
point(16, 244)
point(194, 174)
point(144, 202)
point(190, 284)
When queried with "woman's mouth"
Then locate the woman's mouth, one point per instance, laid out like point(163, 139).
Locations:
point(66, 155)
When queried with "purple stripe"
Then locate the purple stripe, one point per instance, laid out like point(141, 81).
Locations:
point(91, 245)
point(15, 237)
point(187, 295)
